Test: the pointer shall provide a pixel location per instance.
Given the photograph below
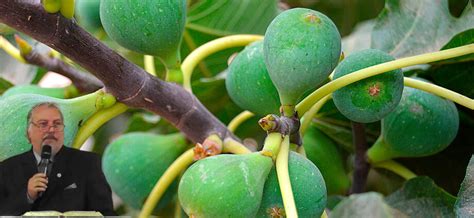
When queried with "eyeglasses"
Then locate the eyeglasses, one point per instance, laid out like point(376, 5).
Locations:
point(44, 127)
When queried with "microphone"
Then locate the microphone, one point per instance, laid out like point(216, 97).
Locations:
point(44, 162)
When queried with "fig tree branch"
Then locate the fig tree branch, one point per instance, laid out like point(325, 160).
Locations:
point(129, 83)
point(84, 82)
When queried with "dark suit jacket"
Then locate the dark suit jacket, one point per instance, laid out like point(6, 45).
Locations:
point(76, 182)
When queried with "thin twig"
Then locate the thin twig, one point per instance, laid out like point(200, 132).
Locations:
point(361, 166)
point(84, 82)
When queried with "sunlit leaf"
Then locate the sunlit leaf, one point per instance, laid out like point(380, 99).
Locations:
point(406, 27)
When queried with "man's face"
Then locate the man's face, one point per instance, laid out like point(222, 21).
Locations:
point(45, 128)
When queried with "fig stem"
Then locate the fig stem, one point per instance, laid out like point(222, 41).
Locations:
point(11, 50)
point(191, 61)
point(301, 151)
point(239, 119)
point(95, 121)
point(188, 39)
point(235, 147)
point(324, 215)
point(173, 171)
point(287, 110)
point(338, 83)
point(284, 178)
point(308, 116)
point(149, 63)
point(395, 167)
point(84, 82)
point(272, 145)
point(440, 91)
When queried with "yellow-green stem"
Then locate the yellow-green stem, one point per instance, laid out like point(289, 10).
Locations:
point(440, 91)
point(11, 50)
point(209, 48)
point(96, 121)
point(338, 83)
point(272, 144)
point(287, 110)
point(192, 46)
point(324, 215)
point(232, 146)
point(179, 165)
point(177, 208)
point(239, 119)
point(396, 168)
point(301, 151)
point(284, 179)
point(149, 63)
point(308, 116)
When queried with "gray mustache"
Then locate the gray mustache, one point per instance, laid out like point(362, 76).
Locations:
point(49, 137)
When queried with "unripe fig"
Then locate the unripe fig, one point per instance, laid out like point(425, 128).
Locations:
point(322, 151)
point(224, 185)
point(301, 48)
point(370, 99)
point(14, 111)
point(421, 125)
point(153, 27)
point(62, 93)
point(88, 14)
point(134, 162)
point(248, 83)
point(308, 188)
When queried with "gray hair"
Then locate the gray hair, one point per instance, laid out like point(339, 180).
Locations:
point(47, 104)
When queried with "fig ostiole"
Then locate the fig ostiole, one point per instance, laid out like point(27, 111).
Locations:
point(370, 99)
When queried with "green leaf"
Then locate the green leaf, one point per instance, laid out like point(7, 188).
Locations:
point(359, 39)
point(213, 94)
point(407, 27)
point(370, 204)
point(225, 17)
point(464, 206)
point(463, 38)
point(421, 197)
point(456, 77)
point(4, 85)
point(142, 122)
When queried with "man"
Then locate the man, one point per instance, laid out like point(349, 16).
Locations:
point(75, 181)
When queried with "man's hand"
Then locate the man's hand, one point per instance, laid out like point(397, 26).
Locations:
point(37, 183)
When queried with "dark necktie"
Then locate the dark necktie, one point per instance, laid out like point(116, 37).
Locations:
point(45, 165)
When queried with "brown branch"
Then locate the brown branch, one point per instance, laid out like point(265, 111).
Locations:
point(84, 82)
point(129, 83)
point(361, 166)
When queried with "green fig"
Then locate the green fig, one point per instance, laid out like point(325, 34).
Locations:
point(370, 99)
point(14, 111)
point(301, 48)
point(134, 162)
point(421, 125)
point(308, 187)
point(248, 83)
point(88, 14)
point(224, 185)
point(322, 151)
point(153, 27)
point(62, 93)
